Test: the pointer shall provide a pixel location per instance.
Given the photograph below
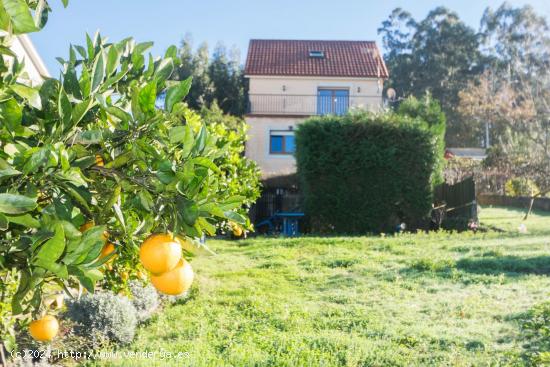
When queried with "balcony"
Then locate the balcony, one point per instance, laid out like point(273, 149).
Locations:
point(307, 105)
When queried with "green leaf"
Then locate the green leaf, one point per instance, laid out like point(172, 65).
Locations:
point(90, 46)
point(85, 82)
point(235, 217)
point(8, 172)
point(142, 47)
point(20, 16)
point(177, 134)
point(206, 162)
point(211, 209)
point(16, 204)
point(4, 223)
point(188, 141)
point(90, 137)
point(92, 238)
point(58, 269)
point(39, 157)
point(177, 93)
point(189, 210)
point(11, 114)
point(113, 58)
point(65, 107)
point(65, 3)
point(24, 220)
point(53, 248)
point(119, 113)
point(80, 110)
point(147, 98)
point(98, 72)
point(164, 70)
point(70, 82)
point(28, 93)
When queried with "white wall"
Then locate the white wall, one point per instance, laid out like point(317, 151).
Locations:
point(369, 87)
point(257, 146)
point(364, 93)
point(34, 66)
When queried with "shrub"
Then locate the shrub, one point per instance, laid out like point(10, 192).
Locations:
point(521, 186)
point(366, 173)
point(145, 299)
point(103, 317)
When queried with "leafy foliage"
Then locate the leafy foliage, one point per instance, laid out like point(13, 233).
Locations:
point(536, 328)
point(218, 79)
point(352, 171)
point(92, 147)
point(438, 54)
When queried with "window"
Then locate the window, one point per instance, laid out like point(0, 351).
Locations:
point(281, 142)
point(317, 54)
point(332, 101)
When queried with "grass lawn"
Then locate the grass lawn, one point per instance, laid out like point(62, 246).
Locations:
point(411, 300)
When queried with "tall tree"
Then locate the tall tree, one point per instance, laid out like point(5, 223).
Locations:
point(215, 79)
point(438, 55)
point(516, 97)
point(196, 66)
point(226, 76)
point(516, 39)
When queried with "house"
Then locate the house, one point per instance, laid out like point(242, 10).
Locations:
point(25, 51)
point(291, 80)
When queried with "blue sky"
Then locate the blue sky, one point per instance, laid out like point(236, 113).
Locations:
point(234, 21)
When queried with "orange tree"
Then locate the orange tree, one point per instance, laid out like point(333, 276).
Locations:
point(93, 148)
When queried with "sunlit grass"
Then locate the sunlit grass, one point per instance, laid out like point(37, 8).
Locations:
point(410, 300)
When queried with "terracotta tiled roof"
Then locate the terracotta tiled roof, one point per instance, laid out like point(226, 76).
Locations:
point(291, 57)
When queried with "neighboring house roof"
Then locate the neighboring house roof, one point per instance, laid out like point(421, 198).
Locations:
point(23, 47)
point(358, 59)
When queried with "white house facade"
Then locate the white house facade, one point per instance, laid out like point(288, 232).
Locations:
point(290, 81)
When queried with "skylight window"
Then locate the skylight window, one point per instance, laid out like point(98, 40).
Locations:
point(317, 54)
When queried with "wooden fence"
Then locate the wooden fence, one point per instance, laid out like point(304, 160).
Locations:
point(516, 202)
point(455, 205)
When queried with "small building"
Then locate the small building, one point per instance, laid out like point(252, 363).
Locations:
point(291, 80)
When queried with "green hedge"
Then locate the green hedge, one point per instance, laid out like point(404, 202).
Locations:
point(363, 173)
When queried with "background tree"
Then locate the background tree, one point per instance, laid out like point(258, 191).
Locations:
point(195, 65)
point(217, 79)
point(439, 54)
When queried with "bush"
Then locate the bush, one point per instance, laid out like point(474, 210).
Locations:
point(366, 173)
point(104, 317)
point(521, 186)
point(145, 299)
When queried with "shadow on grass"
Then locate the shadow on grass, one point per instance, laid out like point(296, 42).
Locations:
point(509, 265)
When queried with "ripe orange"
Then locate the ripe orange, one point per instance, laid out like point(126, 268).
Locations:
point(237, 231)
point(160, 253)
point(99, 160)
point(108, 249)
point(175, 281)
point(44, 329)
point(86, 226)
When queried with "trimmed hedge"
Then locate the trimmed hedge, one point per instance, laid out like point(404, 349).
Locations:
point(363, 172)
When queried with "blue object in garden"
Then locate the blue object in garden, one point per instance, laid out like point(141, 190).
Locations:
point(291, 226)
point(291, 221)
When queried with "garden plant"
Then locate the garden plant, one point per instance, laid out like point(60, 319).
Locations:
point(90, 167)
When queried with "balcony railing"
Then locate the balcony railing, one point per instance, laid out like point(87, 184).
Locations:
point(292, 104)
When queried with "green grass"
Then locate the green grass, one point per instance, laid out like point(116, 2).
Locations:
point(438, 299)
